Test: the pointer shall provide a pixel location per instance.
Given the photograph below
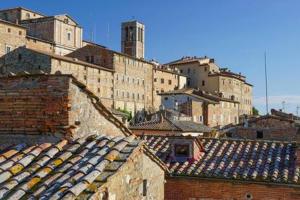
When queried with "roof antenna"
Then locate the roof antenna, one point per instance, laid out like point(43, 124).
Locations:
point(266, 79)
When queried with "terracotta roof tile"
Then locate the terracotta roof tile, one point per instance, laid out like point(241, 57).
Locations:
point(61, 170)
point(245, 160)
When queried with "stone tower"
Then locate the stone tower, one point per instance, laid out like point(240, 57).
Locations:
point(133, 39)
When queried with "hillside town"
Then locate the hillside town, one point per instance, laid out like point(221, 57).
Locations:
point(79, 120)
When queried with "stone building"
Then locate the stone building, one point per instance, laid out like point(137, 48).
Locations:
point(268, 127)
point(12, 36)
point(207, 168)
point(168, 122)
point(164, 80)
point(58, 141)
point(204, 74)
point(60, 32)
point(133, 39)
point(16, 15)
point(133, 88)
point(98, 79)
point(210, 109)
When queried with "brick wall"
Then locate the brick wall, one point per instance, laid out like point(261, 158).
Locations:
point(33, 105)
point(53, 104)
point(196, 189)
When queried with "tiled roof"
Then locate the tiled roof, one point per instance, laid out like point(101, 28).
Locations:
point(62, 170)
point(171, 125)
point(244, 160)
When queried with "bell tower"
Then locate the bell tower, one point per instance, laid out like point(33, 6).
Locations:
point(133, 39)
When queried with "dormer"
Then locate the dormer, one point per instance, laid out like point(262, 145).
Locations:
point(185, 149)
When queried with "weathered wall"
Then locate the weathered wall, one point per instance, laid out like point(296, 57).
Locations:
point(42, 104)
point(285, 134)
point(22, 59)
point(83, 112)
point(128, 182)
point(163, 81)
point(193, 189)
point(11, 36)
point(33, 105)
point(34, 43)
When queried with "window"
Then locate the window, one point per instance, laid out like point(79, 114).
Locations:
point(155, 79)
point(98, 90)
point(69, 36)
point(145, 187)
point(27, 15)
point(182, 150)
point(92, 59)
point(166, 98)
point(9, 30)
point(203, 83)
point(87, 58)
point(205, 68)
point(85, 68)
point(84, 77)
point(19, 57)
point(98, 80)
point(189, 70)
point(7, 49)
point(181, 71)
point(162, 80)
point(259, 134)
point(170, 82)
point(20, 32)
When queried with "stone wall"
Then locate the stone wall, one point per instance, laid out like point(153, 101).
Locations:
point(12, 36)
point(53, 104)
point(128, 182)
point(133, 87)
point(194, 189)
point(285, 134)
point(35, 43)
point(163, 81)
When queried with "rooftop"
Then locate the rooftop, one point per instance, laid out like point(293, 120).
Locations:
point(228, 159)
point(166, 124)
point(65, 169)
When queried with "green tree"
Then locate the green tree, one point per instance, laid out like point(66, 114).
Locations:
point(255, 111)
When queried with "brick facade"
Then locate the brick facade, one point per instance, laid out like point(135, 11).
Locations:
point(55, 104)
point(196, 189)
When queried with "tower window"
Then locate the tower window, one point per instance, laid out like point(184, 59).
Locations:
point(203, 83)
point(259, 134)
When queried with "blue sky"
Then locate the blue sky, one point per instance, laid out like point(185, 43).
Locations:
point(236, 33)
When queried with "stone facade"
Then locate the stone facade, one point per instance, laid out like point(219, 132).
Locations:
point(133, 88)
point(138, 178)
point(203, 107)
point(61, 30)
point(15, 15)
point(99, 80)
point(204, 74)
point(39, 44)
point(194, 189)
point(53, 104)
point(165, 80)
point(12, 37)
point(267, 127)
point(59, 34)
